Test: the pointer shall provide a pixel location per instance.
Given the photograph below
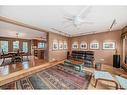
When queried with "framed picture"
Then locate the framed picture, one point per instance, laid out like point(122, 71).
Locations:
point(75, 45)
point(60, 45)
point(65, 45)
point(83, 45)
point(109, 45)
point(55, 45)
point(94, 45)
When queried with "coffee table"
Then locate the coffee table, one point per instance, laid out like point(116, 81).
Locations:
point(77, 65)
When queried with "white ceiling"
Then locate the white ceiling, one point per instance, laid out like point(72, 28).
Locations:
point(47, 17)
point(10, 30)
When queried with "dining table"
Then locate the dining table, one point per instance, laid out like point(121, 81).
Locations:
point(14, 55)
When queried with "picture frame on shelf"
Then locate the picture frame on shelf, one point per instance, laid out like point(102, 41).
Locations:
point(65, 45)
point(55, 45)
point(60, 45)
point(94, 45)
point(109, 45)
point(83, 45)
point(75, 45)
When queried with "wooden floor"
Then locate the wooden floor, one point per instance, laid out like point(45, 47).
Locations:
point(31, 62)
point(16, 71)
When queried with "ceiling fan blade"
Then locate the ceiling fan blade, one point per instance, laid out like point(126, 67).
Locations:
point(67, 18)
point(111, 26)
point(75, 25)
point(85, 10)
point(70, 24)
point(65, 13)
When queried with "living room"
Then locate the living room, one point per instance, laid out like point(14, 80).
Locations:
point(82, 47)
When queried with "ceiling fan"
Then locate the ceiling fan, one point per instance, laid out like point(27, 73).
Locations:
point(78, 19)
point(113, 23)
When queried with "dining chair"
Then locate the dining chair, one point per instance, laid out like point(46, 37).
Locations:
point(26, 54)
point(18, 56)
point(6, 57)
point(1, 59)
point(0, 53)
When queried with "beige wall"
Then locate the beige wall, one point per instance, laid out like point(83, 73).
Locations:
point(102, 37)
point(56, 54)
point(125, 38)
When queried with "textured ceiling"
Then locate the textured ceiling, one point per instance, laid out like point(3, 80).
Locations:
point(52, 18)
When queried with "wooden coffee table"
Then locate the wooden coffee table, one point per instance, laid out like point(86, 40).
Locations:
point(78, 65)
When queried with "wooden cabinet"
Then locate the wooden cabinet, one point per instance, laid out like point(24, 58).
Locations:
point(34, 42)
point(39, 53)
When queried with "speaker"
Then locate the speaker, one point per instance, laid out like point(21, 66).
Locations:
point(68, 55)
point(116, 61)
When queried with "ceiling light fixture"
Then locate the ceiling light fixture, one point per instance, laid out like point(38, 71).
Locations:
point(113, 23)
point(18, 34)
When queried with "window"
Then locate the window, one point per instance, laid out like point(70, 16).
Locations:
point(25, 46)
point(15, 45)
point(4, 46)
point(41, 45)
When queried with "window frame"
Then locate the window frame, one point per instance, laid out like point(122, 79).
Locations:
point(27, 46)
point(13, 44)
point(7, 45)
point(41, 47)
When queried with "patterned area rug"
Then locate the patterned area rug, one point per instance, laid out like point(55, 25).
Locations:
point(57, 77)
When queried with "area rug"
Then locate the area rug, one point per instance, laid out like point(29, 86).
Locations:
point(57, 77)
